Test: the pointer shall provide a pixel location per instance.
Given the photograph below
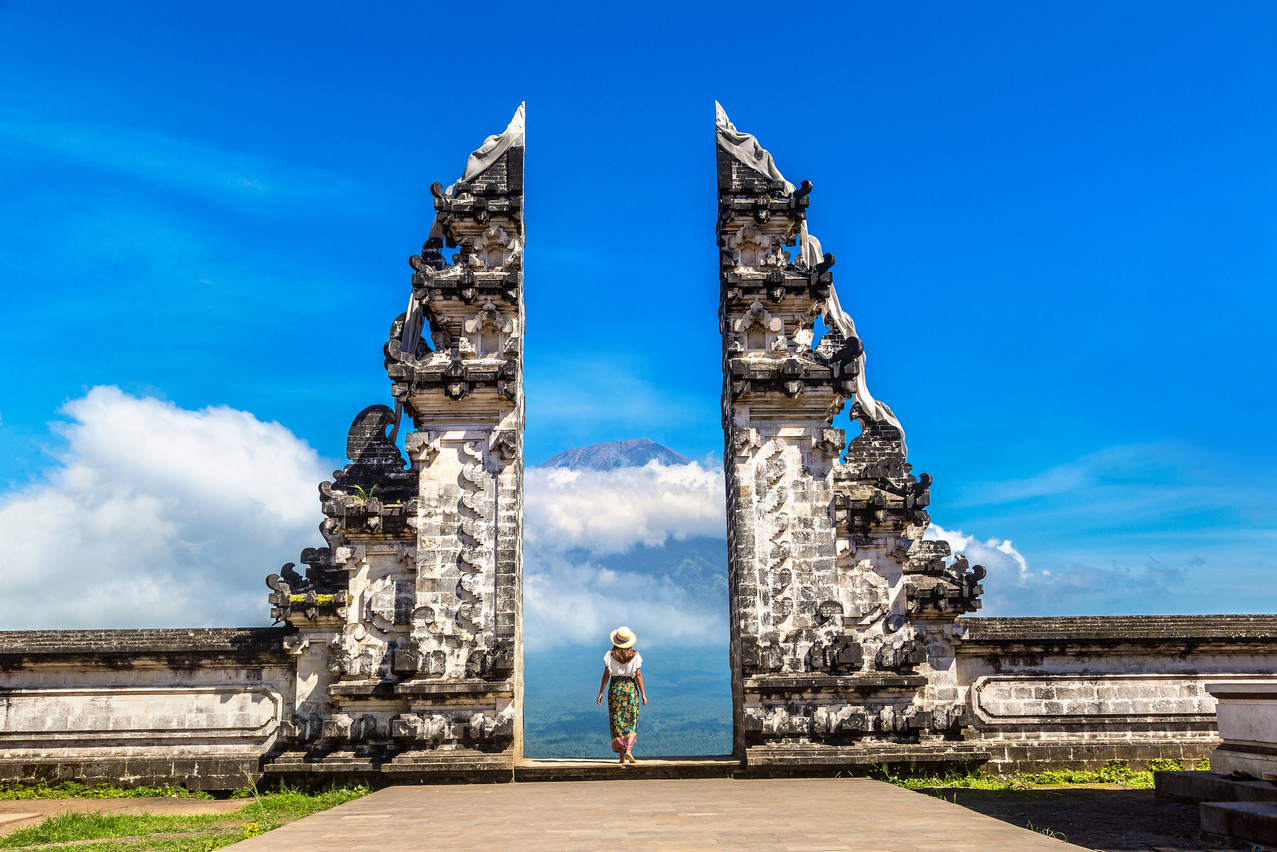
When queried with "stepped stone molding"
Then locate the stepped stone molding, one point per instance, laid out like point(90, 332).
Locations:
point(1114, 699)
point(117, 713)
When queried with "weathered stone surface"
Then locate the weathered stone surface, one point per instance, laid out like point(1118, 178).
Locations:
point(402, 650)
point(1081, 691)
point(411, 616)
point(1246, 711)
point(196, 707)
point(841, 615)
point(1255, 822)
point(1205, 786)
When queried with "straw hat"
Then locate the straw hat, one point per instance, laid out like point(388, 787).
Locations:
point(622, 637)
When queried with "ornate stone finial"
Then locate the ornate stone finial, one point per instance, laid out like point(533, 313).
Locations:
point(370, 442)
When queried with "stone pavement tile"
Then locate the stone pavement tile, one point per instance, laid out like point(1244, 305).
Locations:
point(807, 814)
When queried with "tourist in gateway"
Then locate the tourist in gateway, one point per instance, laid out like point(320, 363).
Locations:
point(623, 665)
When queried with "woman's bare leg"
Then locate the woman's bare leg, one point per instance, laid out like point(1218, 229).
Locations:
point(630, 755)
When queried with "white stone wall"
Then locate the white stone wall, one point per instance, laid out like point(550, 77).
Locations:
point(1083, 706)
point(196, 719)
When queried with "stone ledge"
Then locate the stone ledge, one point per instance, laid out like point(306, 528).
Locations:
point(469, 688)
point(832, 683)
point(452, 765)
point(1252, 821)
point(40, 645)
point(816, 758)
point(212, 772)
point(432, 688)
point(1202, 786)
point(607, 769)
point(1158, 631)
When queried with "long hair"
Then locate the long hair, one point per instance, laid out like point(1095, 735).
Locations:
point(623, 655)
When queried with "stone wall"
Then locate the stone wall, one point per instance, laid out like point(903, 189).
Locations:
point(847, 643)
point(1083, 691)
point(193, 707)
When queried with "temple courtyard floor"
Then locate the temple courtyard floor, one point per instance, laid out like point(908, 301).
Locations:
point(704, 813)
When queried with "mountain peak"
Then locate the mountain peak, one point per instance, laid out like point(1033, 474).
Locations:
point(613, 454)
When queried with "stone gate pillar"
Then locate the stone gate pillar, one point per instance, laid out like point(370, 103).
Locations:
point(410, 643)
point(841, 616)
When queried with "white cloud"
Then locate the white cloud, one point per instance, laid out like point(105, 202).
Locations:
point(573, 517)
point(1012, 587)
point(612, 511)
point(157, 516)
point(567, 602)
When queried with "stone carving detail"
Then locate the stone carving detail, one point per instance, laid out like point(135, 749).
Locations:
point(391, 601)
point(423, 447)
point(476, 511)
point(471, 728)
point(407, 618)
point(488, 331)
point(758, 332)
point(492, 249)
point(772, 485)
point(749, 247)
point(894, 656)
point(504, 445)
point(841, 653)
point(744, 441)
point(834, 591)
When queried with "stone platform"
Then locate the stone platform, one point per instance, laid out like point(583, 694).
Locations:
point(775, 814)
point(607, 769)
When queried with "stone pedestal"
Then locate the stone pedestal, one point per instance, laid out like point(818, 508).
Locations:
point(1247, 714)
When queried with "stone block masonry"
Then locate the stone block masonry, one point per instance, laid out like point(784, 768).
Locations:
point(196, 707)
point(850, 643)
point(1082, 691)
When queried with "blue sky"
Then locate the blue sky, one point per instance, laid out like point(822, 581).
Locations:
point(1056, 228)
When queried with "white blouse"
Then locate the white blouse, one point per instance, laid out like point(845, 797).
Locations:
point(616, 669)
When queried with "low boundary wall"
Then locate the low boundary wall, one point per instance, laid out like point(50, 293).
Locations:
point(1081, 691)
point(203, 707)
point(194, 707)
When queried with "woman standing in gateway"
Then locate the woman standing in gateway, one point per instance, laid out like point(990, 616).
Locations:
point(623, 665)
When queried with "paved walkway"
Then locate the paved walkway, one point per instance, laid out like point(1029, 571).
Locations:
point(711, 813)
point(607, 769)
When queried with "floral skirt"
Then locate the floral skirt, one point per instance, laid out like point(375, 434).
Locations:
point(623, 712)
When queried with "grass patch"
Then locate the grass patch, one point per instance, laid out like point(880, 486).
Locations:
point(1114, 772)
point(196, 833)
point(76, 790)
